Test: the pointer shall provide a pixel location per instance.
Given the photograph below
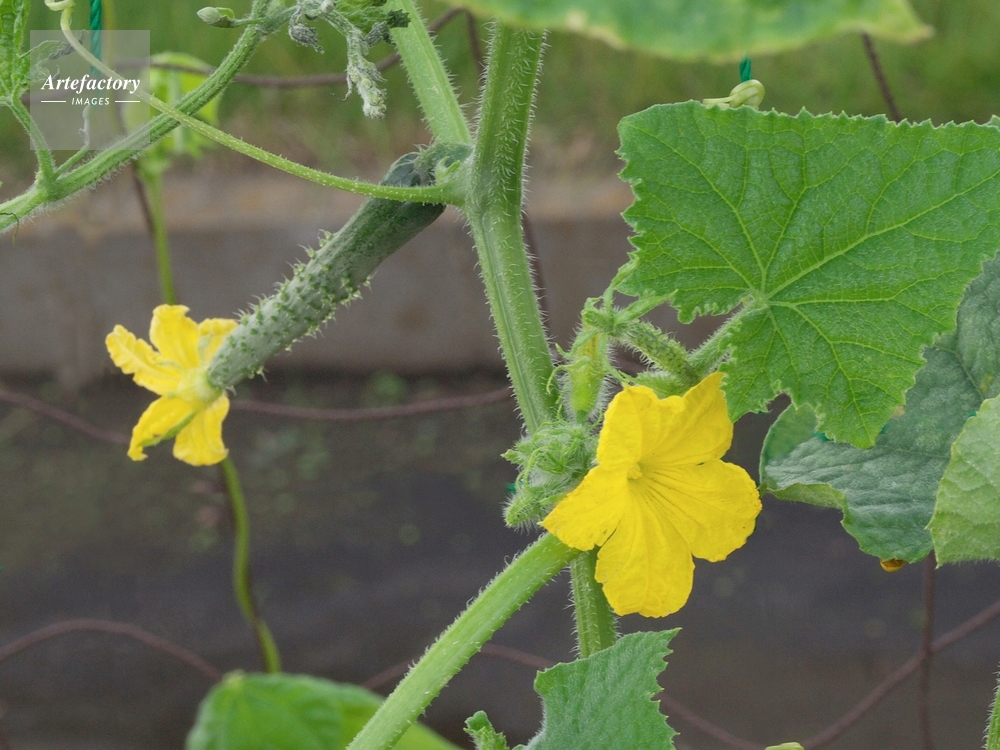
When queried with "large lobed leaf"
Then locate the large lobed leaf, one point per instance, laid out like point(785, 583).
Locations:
point(888, 492)
point(849, 241)
point(966, 522)
point(291, 712)
point(717, 30)
point(604, 701)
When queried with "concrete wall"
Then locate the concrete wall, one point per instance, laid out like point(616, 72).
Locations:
point(68, 277)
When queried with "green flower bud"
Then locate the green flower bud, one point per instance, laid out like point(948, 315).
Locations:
point(749, 94)
point(586, 372)
point(305, 35)
point(553, 461)
point(222, 18)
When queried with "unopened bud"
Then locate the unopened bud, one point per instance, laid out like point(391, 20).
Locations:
point(587, 371)
point(304, 35)
point(749, 94)
point(223, 18)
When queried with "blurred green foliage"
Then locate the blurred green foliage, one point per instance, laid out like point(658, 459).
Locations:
point(586, 87)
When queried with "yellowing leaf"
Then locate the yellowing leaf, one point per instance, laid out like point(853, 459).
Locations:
point(717, 30)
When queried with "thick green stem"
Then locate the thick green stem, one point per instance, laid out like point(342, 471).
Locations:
point(493, 210)
point(595, 622)
point(153, 183)
point(242, 584)
point(46, 165)
point(429, 78)
point(512, 588)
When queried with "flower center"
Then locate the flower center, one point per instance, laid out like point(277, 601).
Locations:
point(634, 471)
point(195, 389)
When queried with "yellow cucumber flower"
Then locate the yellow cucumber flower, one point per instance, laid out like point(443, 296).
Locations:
point(189, 407)
point(659, 494)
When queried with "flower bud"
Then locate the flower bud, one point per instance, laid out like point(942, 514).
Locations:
point(749, 93)
point(586, 371)
point(222, 18)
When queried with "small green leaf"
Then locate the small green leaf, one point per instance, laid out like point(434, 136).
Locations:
point(479, 728)
point(710, 29)
point(847, 240)
point(966, 522)
point(888, 492)
point(604, 701)
point(291, 712)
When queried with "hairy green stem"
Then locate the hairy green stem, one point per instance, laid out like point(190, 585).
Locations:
point(493, 211)
point(72, 161)
point(706, 358)
point(434, 194)
point(429, 78)
point(46, 165)
point(105, 162)
point(242, 584)
point(153, 183)
point(993, 730)
point(595, 622)
point(512, 588)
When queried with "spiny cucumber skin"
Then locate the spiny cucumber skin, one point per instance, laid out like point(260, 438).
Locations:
point(660, 349)
point(333, 274)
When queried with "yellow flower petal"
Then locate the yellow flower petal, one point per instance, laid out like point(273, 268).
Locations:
point(135, 357)
point(175, 335)
point(162, 417)
point(211, 333)
point(713, 506)
point(645, 566)
point(701, 430)
point(587, 515)
point(630, 414)
point(200, 442)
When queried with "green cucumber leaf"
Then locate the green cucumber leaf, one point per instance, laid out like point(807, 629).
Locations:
point(966, 521)
point(887, 493)
point(291, 712)
point(604, 701)
point(709, 29)
point(848, 240)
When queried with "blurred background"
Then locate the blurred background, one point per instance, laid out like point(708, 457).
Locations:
point(371, 535)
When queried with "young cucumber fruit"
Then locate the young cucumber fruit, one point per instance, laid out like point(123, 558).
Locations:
point(333, 274)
